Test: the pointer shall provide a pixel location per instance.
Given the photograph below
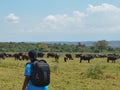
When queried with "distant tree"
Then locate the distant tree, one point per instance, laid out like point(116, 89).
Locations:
point(81, 47)
point(43, 47)
point(100, 45)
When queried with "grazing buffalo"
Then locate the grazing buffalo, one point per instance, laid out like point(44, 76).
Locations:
point(69, 56)
point(78, 55)
point(112, 57)
point(65, 59)
point(18, 56)
point(87, 57)
point(2, 55)
point(57, 56)
point(40, 54)
point(25, 57)
point(53, 55)
point(9, 55)
point(50, 55)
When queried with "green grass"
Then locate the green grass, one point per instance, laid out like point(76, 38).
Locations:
point(72, 75)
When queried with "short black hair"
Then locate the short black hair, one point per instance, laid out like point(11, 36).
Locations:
point(32, 54)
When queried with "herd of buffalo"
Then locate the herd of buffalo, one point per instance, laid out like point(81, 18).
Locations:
point(86, 57)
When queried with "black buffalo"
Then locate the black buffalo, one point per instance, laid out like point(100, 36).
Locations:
point(53, 55)
point(40, 54)
point(57, 56)
point(65, 59)
point(2, 55)
point(86, 57)
point(25, 57)
point(78, 55)
point(69, 56)
point(112, 57)
point(50, 55)
point(18, 56)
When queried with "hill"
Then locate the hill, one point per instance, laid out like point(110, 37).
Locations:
point(114, 44)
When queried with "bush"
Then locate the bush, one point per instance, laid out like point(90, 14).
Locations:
point(95, 72)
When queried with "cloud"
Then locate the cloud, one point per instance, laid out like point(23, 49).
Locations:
point(102, 8)
point(62, 23)
point(95, 22)
point(104, 17)
point(99, 20)
point(12, 18)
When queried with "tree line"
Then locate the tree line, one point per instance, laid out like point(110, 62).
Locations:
point(96, 47)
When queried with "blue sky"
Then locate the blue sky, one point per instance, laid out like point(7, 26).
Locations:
point(59, 20)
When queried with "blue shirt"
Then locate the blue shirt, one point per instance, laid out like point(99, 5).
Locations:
point(30, 85)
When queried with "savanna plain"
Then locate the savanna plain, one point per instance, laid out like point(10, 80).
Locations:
point(70, 75)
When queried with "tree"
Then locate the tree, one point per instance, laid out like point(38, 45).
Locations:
point(101, 45)
point(81, 47)
point(43, 47)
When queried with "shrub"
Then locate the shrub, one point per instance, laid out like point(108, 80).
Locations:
point(95, 72)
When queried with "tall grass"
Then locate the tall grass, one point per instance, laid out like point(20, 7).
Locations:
point(94, 72)
point(72, 75)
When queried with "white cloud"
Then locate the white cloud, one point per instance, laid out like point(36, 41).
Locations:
point(102, 7)
point(96, 20)
point(78, 14)
point(51, 18)
point(104, 16)
point(12, 18)
point(63, 22)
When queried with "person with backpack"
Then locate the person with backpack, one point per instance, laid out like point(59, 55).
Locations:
point(37, 73)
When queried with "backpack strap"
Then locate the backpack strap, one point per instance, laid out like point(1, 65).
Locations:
point(42, 61)
point(31, 62)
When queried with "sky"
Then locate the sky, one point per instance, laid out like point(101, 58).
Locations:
point(59, 20)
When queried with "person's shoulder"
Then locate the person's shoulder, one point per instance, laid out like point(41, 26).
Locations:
point(28, 64)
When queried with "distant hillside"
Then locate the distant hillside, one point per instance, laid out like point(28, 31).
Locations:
point(89, 43)
point(110, 43)
point(114, 43)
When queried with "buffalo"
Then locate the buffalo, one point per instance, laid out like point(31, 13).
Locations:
point(53, 55)
point(50, 55)
point(40, 54)
point(65, 59)
point(2, 55)
point(112, 57)
point(87, 57)
point(25, 57)
point(18, 56)
point(69, 56)
point(78, 55)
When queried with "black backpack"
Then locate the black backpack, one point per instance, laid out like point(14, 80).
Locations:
point(40, 75)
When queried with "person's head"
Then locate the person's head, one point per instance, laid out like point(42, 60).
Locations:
point(32, 54)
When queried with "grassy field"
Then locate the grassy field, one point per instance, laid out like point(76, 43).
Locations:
point(72, 75)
